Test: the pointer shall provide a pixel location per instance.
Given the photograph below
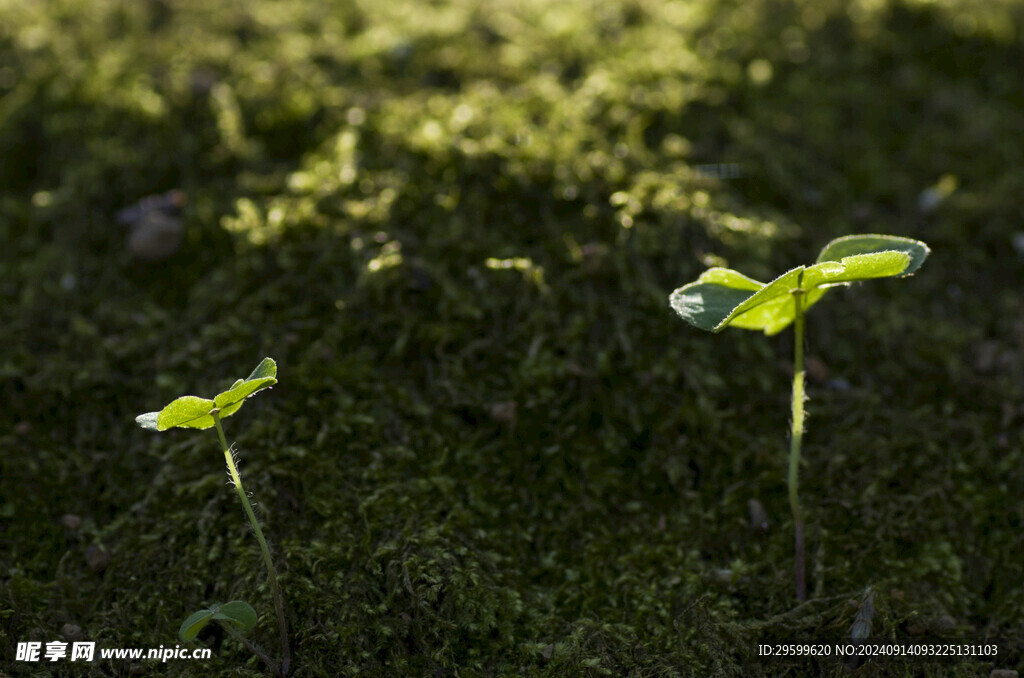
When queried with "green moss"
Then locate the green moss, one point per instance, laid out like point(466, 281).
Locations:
point(494, 451)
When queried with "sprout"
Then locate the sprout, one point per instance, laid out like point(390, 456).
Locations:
point(721, 298)
point(202, 413)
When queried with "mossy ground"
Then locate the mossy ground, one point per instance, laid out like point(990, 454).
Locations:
point(494, 450)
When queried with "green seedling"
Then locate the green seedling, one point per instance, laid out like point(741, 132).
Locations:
point(202, 413)
point(721, 297)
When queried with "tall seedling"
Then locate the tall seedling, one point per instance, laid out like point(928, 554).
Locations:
point(203, 413)
point(721, 297)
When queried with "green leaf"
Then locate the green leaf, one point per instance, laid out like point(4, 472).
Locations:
point(777, 291)
point(707, 302)
point(267, 368)
point(776, 315)
point(239, 393)
point(856, 268)
point(840, 248)
point(194, 623)
point(722, 297)
point(187, 412)
point(196, 412)
point(238, 613)
point(262, 377)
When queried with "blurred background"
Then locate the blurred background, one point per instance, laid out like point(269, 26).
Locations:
point(494, 449)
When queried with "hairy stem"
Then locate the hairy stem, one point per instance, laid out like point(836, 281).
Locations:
point(796, 437)
point(271, 571)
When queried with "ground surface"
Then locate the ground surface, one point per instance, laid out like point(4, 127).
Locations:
point(494, 450)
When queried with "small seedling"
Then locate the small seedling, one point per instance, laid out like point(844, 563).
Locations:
point(721, 297)
point(202, 413)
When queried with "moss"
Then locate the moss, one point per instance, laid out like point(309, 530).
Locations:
point(493, 450)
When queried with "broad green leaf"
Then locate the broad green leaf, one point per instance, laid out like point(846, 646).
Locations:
point(777, 290)
point(228, 410)
point(776, 315)
point(188, 412)
point(194, 623)
point(722, 297)
point(707, 305)
point(196, 412)
point(148, 420)
point(263, 376)
point(840, 248)
point(238, 613)
point(239, 393)
point(855, 268)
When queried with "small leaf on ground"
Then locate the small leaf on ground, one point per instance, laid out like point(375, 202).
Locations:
point(194, 623)
point(238, 613)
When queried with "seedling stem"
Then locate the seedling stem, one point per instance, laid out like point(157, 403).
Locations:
point(796, 438)
point(271, 571)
